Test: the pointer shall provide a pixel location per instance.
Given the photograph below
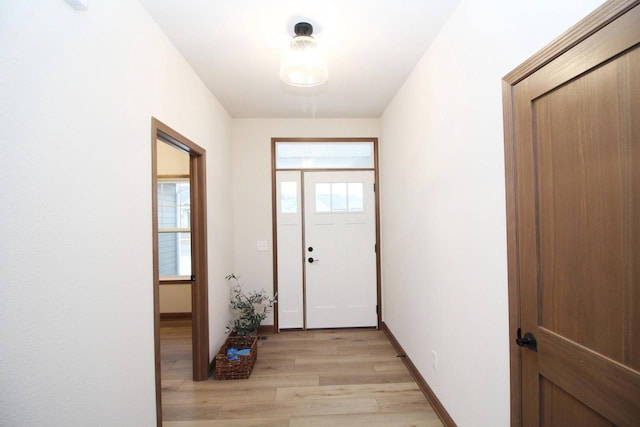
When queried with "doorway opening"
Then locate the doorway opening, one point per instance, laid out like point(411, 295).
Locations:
point(326, 233)
point(179, 226)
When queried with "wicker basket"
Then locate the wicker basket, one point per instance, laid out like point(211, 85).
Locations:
point(236, 369)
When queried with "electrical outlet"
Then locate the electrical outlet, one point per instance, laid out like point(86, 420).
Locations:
point(434, 360)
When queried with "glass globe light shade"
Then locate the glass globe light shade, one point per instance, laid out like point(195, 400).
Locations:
point(303, 65)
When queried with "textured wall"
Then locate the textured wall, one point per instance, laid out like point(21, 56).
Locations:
point(77, 91)
point(443, 210)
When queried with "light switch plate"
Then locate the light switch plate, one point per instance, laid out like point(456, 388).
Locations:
point(263, 245)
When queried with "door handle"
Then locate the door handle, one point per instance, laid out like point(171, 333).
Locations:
point(528, 341)
point(311, 260)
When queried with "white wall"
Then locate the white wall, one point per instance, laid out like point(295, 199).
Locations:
point(171, 161)
point(252, 185)
point(443, 209)
point(175, 299)
point(77, 93)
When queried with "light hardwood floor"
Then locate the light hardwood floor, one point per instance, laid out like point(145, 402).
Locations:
point(312, 378)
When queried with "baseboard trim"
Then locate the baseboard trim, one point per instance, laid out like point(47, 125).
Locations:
point(424, 387)
point(174, 316)
point(212, 366)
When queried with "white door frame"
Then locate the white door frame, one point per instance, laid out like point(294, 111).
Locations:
point(274, 205)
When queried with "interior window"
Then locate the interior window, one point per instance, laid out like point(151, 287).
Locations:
point(174, 228)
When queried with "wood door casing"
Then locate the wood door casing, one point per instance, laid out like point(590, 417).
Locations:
point(274, 198)
point(573, 180)
point(199, 282)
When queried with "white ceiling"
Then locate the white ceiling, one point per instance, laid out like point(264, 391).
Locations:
point(235, 46)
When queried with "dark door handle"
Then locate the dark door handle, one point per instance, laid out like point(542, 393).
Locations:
point(311, 260)
point(529, 340)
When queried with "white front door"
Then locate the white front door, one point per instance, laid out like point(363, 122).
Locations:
point(340, 249)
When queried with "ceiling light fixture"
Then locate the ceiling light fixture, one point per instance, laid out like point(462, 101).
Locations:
point(303, 65)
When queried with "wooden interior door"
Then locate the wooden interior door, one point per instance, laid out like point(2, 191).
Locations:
point(573, 172)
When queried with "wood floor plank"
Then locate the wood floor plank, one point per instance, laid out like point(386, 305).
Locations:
point(214, 397)
point(277, 350)
point(173, 374)
point(377, 348)
point(176, 355)
point(254, 382)
point(183, 364)
point(172, 384)
point(377, 378)
point(189, 412)
point(246, 422)
point(406, 419)
point(399, 404)
point(301, 378)
point(348, 391)
point(292, 409)
point(349, 335)
point(344, 359)
point(274, 359)
point(268, 369)
point(391, 366)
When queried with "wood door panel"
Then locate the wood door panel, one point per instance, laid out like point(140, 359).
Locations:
point(631, 112)
point(578, 172)
point(573, 164)
point(609, 388)
point(583, 192)
point(562, 409)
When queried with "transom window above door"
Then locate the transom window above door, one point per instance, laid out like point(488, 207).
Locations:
point(324, 155)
